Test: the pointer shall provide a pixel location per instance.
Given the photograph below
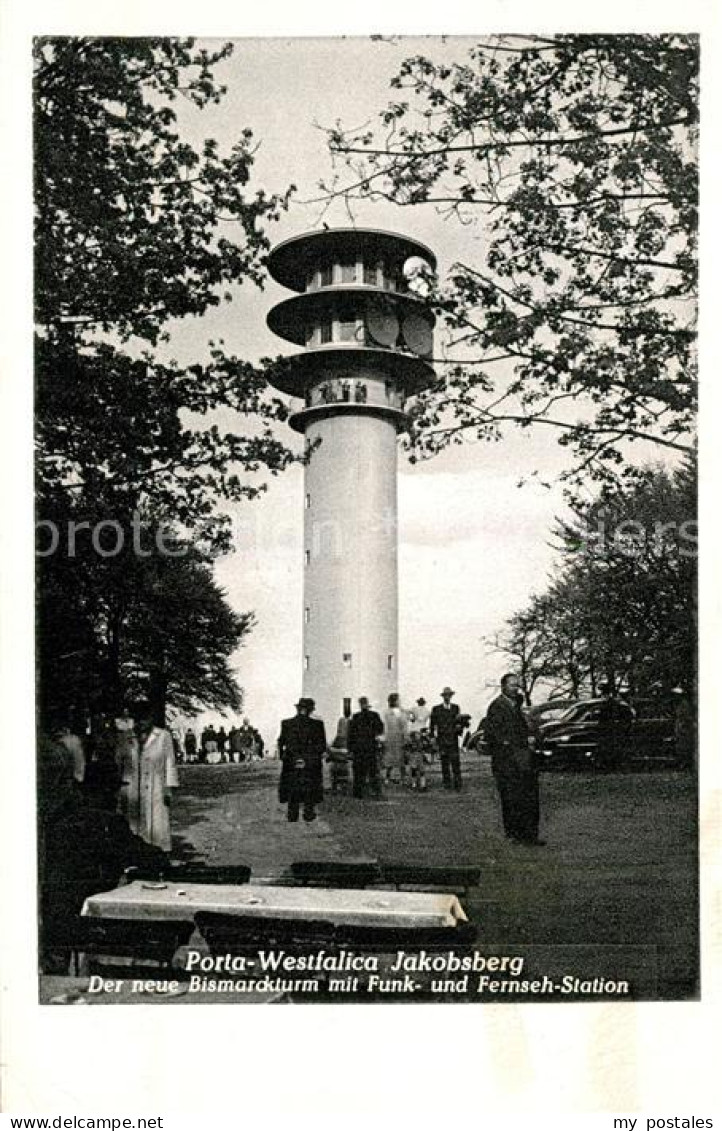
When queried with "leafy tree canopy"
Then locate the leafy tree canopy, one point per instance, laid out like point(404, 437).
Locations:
point(622, 605)
point(571, 161)
point(135, 227)
point(128, 213)
point(145, 621)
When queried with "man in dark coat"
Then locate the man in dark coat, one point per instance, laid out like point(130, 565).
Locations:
point(615, 728)
point(222, 740)
point(190, 745)
point(507, 736)
point(364, 731)
point(301, 748)
point(445, 725)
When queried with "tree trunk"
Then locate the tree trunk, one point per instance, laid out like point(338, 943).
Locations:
point(158, 692)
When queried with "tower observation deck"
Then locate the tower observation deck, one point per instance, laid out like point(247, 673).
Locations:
point(361, 316)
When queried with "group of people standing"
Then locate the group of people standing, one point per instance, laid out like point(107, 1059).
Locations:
point(239, 744)
point(126, 764)
point(399, 744)
point(368, 749)
point(384, 747)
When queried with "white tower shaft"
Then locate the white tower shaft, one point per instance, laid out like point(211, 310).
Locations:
point(361, 317)
point(350, 639)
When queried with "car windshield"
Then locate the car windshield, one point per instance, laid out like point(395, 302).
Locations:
point(578, 711)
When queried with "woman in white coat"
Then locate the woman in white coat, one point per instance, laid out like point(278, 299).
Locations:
point(149, 774)
point(396, 732)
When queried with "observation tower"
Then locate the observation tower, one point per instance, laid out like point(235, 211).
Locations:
point(361, 315)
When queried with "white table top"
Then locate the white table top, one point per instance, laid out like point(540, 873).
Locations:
point(141, 900)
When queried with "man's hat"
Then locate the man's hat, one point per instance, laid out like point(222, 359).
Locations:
point(421, 701)
point(305, 704)
point(448, 691)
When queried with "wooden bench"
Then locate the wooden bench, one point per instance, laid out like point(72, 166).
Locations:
point(387, 940)
point(143, 941)
point(194, 874)
point(243, 934)
point(453, 877)
point(337, 873)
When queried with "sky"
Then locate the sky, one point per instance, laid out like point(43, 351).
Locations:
point(474, 545)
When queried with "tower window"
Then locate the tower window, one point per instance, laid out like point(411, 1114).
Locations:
point(307, 614)
point(387, 276)
point(307, 556)
point(326, 332)
point(306, 663)
point(371, 274)
point(347, 660)
point(390, 661)
point(308, 501)
point(327, 275)
point(347, 331)
point(348, 272)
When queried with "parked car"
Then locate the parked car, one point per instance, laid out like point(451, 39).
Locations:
point(536, 715)
point(574, 738)
point(550, 712)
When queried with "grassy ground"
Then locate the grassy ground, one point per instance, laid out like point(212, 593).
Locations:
point(613, 895)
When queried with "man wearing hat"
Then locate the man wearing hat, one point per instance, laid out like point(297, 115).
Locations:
point(301, 748)
point(445, 726)
point(364, 732)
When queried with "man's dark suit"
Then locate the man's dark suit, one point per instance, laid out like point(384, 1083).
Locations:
point(507, 735)
point(614, 731)
point(363, 733)
point(302, 747)
point(444, 726)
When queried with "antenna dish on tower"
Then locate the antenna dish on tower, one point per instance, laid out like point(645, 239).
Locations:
point(417, 335)
point(383, 325)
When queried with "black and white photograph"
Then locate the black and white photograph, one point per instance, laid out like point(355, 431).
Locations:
point(366, 519)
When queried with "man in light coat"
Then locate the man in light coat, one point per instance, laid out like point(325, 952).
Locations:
point(149, 774)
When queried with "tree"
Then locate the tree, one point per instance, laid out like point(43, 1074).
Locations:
point(622, 604)
point(150, 624)
point(135, 228)
point(571, 161)
point(522, 640)
point(127, 237)
point(548, 641)
point(631, 560)
point(180, 634)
